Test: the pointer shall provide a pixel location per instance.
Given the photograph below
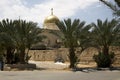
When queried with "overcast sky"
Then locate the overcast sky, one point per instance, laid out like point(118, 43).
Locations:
point(38, 10)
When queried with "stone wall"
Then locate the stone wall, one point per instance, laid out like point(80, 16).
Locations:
point(85, 57)
point(48, 55)
point(51, 55)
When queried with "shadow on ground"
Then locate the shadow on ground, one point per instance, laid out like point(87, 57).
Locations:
point(87, 70)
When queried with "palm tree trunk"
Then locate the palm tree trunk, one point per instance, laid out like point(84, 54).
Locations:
point(105, 50)
point(22, 56)
point(9, 55)
point(72, 57)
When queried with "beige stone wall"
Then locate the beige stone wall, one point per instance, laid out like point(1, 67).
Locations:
point(48, 55)
point(85, 57)
point(51, 55)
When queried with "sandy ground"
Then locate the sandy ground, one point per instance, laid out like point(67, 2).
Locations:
point(52, 65)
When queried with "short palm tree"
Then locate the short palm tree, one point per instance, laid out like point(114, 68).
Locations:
point(105, 34)
point(71, 31)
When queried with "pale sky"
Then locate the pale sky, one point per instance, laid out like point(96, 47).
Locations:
point(38, 10)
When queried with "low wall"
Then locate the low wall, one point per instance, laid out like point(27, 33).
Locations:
point(51, 55)
point(48, 55)
point(85, 57)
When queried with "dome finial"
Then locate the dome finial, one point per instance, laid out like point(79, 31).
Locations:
point(51, 11)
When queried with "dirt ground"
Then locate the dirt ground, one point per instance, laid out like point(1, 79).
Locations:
point(58, 65)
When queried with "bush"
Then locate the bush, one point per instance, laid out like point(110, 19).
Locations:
point(104, 60)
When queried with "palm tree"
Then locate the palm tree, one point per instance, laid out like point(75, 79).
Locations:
point(2, 46)
point(6, 31)
point(19, 35)
point(83, 34)
point(117, 2)
point(26, 34)
point(105, 34)
point(115, 8)
point(71, 37)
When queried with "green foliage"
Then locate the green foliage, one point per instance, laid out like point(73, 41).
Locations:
point(105, 34)
point(114, 7)
point(104, 60)
point(18, 35)
point(74, 35)
point(69, 38)
point(117, 2)
point(6, 40)
point(68, 28)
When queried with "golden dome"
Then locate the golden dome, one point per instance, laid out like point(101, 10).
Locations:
point(52, 18)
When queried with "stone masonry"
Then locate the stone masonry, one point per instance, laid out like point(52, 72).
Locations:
point(86, 56)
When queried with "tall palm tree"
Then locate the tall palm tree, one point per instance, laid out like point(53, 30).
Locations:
point(26, 34)
point(71, 37)
point(83, 34)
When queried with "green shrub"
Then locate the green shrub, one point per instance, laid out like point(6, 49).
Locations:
point(104, 60)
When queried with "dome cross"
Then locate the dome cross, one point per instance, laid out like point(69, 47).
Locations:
point(51, 11)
